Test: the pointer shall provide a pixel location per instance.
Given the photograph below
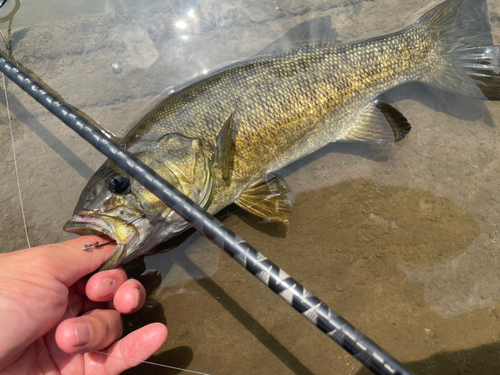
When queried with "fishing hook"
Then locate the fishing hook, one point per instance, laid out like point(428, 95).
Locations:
point(87, 247)
point(96, 244)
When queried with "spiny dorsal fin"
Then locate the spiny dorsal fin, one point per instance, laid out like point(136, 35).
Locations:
point(106, 132)
point(221, 157)
point(270, 199)
point(315, 30)
point(380, 123)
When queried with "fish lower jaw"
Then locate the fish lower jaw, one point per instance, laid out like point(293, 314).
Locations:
point(86, 228)
point(114, 259)
point(84, 225)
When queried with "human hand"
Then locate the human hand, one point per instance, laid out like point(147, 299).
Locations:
point(52, 320)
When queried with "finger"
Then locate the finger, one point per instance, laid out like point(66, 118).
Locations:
point(67, 261)
point(130, 351)
point(102, 286)
point(93, 331)
point(130, 297)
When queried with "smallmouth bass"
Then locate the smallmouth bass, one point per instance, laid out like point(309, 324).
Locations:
point(219, 139)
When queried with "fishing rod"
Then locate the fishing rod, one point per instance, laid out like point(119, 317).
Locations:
point(311, 307)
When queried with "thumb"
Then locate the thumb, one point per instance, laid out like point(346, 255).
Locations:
point(68, 261)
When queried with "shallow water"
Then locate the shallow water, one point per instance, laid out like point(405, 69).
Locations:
point(402, 241)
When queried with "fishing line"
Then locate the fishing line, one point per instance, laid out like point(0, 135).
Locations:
point(15, 160)
point(96, 244)
point(2, 3)
point(307, 304)
point(71, 310)
point(153, 363)
point(132, 359)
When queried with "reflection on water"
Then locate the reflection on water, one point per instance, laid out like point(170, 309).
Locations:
point(402, 241)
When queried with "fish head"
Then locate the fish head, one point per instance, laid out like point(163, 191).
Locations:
point(115, 205)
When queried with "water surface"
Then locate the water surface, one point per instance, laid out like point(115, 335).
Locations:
point(403, 241)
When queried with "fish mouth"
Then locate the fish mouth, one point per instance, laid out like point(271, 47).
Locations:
point(122, 232)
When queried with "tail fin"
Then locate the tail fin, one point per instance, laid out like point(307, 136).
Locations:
point(470, 63)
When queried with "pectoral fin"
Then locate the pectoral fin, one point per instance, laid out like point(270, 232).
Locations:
point(270, 199)
point(221, 157)
point(381, 123)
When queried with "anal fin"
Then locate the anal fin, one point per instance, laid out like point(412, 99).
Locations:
point(380, 123)
point(270, 199)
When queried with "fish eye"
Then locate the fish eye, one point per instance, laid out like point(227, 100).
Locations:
point(117, 183)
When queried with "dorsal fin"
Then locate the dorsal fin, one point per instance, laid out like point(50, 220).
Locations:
point(106, 132)
point(315, 30)
point(221, 156)
point(381, 123)
point(269, 198)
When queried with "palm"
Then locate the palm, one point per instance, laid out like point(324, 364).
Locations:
point(43, 311)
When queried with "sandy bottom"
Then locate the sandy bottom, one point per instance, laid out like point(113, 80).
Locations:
point(402, 241)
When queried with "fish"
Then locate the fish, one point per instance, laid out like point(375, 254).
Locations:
point(218, 140)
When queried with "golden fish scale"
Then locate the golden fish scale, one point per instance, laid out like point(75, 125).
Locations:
point(289, 100)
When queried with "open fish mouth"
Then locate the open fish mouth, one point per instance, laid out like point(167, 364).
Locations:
point(119, 230)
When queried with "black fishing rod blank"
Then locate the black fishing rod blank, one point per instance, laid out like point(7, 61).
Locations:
point(311, 307)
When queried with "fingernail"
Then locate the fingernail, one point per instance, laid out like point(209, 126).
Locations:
point(137, 299)
point(83, 333)
point(107, 287)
